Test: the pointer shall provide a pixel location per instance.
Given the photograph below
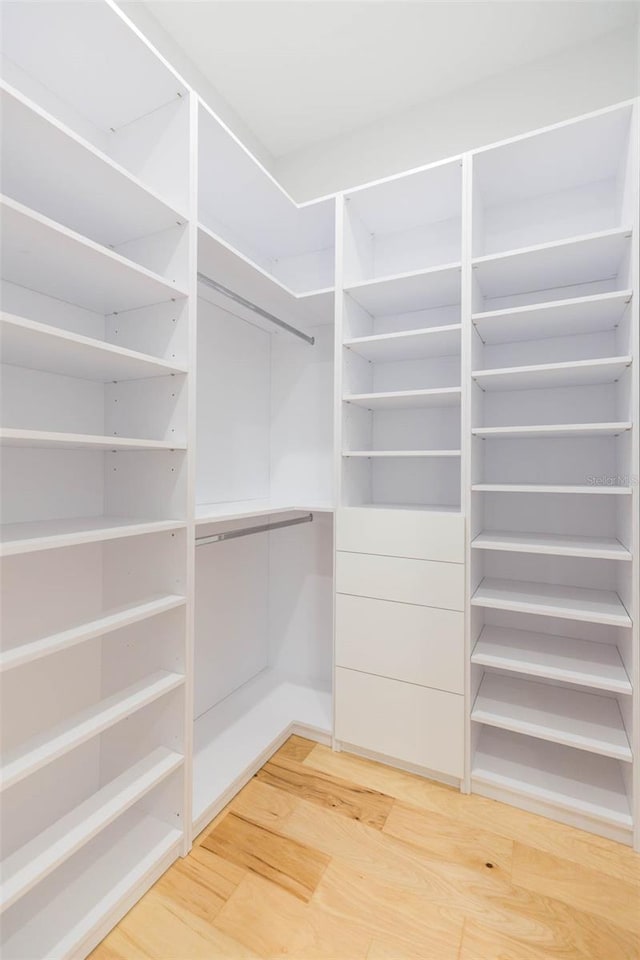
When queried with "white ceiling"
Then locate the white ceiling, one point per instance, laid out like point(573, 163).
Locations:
point(301, 71)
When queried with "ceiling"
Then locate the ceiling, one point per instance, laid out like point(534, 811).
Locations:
point(298, 72)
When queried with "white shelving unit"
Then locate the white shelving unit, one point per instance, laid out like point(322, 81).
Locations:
point(447, 359)
point(553, 346)
point(97, 279)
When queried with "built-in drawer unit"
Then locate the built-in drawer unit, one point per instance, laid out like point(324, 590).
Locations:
point(403, 641)
point(404, 721)
point(401, 533)
point(426, 582)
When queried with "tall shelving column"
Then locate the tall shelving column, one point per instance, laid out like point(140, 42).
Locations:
point(553, 532)
point(400, 531)
point(96, 262)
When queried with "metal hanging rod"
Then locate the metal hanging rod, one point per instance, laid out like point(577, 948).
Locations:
point(246, 531)
point(225, 291)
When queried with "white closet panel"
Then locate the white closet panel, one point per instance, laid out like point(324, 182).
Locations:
point(423, 582)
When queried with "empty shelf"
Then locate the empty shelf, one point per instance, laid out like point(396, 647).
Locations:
point(573, 780)
point(581, 662)
point(409, 344)
point(573, 488)
point(401, 453)
point(557, 318)
point(235, 737)
point(404, 292)
point(111, 620)
point(48, 746)
point(52, 534)
point(246, 509)
point(406, 399)
point(96, 887)
point(11, 437)
point(550, 375)
point(50, 168)
point(39, 346)
point(33, 862)
point(574, 718)
point(559, 545)
point(550, 600)
point(561, 263)
point(42, 255)
point(220, 261)
point(551, 430)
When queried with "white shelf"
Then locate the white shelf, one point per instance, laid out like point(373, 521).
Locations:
point(406, 399)
point(39, 857)
point(219, 261)
point(557, 318)
point(549, 375)
point(247, 509)
point(96, 888)
point(551, 600)
point(53, 534)
point(551, 430)
point(401, 453)
point(238, 735)
point(111, 620)
point(405, 292)
point(567, 779)
point(39, 346)
point(559, 545)
point(573, 718)
point(567, 659)
point(561, 263)
point(71, 733)
point(42, 255)
point(50, 168)
point(409, 344)
point(50, 439)
point(570, 488)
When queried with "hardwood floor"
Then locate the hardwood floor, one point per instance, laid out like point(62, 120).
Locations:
point(326, 855)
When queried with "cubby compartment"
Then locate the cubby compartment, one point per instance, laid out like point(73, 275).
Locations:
point(403, 239)
point(258, 239)
point(77, 122)
point(264, 417)
point(572, 180)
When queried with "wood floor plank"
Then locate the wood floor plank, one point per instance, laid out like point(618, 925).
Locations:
point(285, 926)
point(262, 804)
point(481, 943)
point(448, 840)
point(580, 847)
point(293, 865)
point(344, 797)
point(295, 748)
point(607, 897)
point(154, 930)
point(394, 950)
point(201, 883)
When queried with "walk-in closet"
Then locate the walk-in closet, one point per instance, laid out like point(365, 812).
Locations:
point(362, 468)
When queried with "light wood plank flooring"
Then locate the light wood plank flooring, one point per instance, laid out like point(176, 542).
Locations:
point(326, 855)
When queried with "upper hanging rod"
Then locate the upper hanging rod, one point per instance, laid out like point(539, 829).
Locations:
point(245, 531)
point(225, 291)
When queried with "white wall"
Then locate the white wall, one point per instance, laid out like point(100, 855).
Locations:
point(577, 81)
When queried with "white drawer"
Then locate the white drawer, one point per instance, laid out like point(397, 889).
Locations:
point(401, 640)
point(401, 533)
point(401, 720)
point(425, 582)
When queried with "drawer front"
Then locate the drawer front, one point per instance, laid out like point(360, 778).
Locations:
point(401, 720)
point(401, 533)
point(400, 640)
point(425, 582)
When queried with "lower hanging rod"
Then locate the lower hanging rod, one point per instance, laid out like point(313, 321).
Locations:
point(226, 292)
point(247, 531)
